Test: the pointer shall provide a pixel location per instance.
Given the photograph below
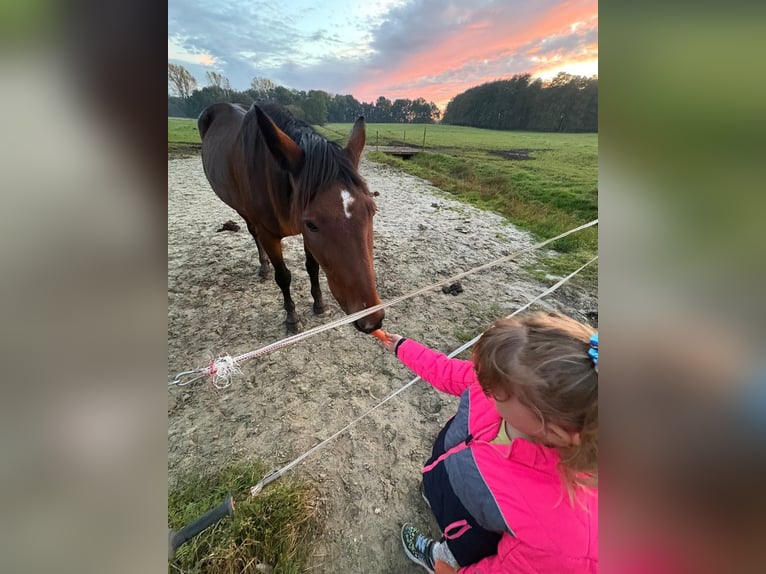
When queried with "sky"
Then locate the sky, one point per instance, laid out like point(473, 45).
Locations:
point(434, 49)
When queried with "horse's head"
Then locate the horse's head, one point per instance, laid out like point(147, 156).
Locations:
point(333, 209)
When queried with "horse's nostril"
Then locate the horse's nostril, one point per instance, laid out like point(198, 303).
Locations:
point(367, 326)
point(371, 322)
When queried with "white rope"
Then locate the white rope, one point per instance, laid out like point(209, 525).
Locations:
point(272, 476)
point(223, 362)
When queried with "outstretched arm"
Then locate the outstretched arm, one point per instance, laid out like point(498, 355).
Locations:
point(451, 376)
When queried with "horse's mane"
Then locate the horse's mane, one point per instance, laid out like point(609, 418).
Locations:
point(325, 161)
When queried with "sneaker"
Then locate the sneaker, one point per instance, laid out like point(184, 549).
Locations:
point(418, 547)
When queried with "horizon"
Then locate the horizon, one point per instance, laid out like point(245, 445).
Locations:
point(395, 48)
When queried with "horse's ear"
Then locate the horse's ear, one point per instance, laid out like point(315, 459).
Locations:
point(356, 140)
point(288, 154)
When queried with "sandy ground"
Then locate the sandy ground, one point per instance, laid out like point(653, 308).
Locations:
point(286, 402)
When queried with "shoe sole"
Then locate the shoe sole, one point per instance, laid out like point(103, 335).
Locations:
point(410, 555)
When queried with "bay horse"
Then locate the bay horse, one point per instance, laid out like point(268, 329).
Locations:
point(283, 179)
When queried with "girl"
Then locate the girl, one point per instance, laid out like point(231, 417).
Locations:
point(512, 479)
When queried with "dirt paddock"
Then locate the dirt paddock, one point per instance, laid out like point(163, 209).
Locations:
point(286, 402)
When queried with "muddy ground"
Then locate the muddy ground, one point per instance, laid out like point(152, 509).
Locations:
point(288, 401)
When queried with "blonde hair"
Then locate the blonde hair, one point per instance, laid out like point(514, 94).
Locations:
point(542, 360)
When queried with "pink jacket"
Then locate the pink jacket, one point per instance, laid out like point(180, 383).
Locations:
point(543, 532)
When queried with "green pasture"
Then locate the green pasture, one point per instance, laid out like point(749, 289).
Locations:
point(457, 137)
point(555, 189)
point(183, 137)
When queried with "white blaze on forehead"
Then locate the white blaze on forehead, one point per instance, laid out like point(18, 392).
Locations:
point(347, 200)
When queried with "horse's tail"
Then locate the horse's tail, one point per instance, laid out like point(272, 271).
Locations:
point(204, 120)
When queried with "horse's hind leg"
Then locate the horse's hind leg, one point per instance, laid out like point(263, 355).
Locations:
point(316, 292)
point(264, 270)
point(273, 247)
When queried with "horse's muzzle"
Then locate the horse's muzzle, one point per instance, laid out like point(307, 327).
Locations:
point(371, 322)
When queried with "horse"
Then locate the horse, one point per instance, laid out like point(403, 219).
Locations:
point(284, 179)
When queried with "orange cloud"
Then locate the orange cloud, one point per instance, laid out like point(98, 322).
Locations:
point(584, 64)
point(440, 72)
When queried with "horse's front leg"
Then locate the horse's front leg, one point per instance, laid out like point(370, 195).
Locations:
point(273, 247)
point(316, 292)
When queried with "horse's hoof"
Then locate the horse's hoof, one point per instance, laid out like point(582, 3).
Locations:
point(294, 328)
point(264, 273)
point(320, 310)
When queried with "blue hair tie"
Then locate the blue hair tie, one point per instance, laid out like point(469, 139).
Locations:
point(593, 351)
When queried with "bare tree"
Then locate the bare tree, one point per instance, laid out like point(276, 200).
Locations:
point(218, 80)
point(181, 80)
point(262, 85)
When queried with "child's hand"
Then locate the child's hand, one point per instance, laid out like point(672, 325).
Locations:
point(389, 340)
point(443, 568)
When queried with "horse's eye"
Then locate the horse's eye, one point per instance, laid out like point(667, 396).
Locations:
point(311, 226)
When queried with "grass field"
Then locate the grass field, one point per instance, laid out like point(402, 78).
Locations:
point(276, 528)
point(555, 190)
point(183, 137)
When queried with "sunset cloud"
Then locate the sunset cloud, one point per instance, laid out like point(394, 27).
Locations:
point(399, 49)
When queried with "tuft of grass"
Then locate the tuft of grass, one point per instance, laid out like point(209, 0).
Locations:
point(480, 316)
point(463, 334)
point(275, 528)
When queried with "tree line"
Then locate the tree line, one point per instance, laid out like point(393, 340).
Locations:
point(314, 106)
point(565, 104)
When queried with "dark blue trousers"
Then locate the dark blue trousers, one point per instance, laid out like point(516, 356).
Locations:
point(474, 544)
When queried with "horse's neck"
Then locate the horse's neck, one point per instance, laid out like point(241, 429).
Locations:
point(282, 201)
point(276, 196)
